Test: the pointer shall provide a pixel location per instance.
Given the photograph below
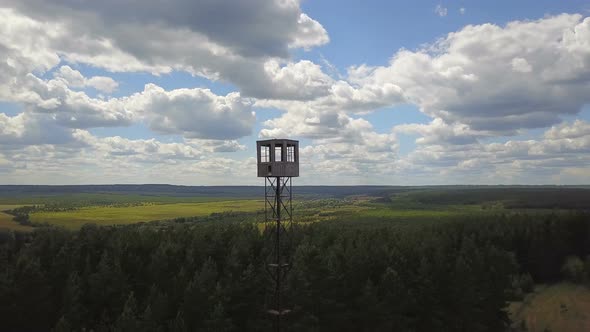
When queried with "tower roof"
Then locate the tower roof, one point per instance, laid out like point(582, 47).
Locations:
point(277, 140)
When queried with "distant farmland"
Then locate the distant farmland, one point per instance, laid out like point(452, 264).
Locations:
point(73, 206)
point(119, 215)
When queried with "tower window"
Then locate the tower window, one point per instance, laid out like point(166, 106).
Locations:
point(265, 154)
point(290, 153)
point(278, 153)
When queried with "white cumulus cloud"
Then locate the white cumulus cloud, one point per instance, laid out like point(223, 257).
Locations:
point(75, 79)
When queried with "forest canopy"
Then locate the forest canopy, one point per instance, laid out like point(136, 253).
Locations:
point(450, 275)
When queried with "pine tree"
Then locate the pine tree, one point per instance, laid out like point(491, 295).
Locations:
point(197, 300)
point(368, 308)
point(218, 320)
point(63, 325)
point(148, 323)
point(178, 324)
point(73, 308)
point(129, 319)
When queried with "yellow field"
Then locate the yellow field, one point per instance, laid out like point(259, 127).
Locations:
point(107, 215)
point(6, 222)
point(563, 307)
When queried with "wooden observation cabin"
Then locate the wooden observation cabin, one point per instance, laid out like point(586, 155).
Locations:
point(278, 157)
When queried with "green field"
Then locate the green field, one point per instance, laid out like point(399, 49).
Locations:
point(74, 209)
point(304, 212)
point(563, 307)
point(119, 215)
point(390, 211)
point(96, 199)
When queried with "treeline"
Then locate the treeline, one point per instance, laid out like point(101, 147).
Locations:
point(21, 214)
point(444, 276)
point(511, 198)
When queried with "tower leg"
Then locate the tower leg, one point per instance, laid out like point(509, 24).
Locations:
point(278, 204)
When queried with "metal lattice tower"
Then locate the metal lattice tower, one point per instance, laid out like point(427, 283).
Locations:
point(278, 162)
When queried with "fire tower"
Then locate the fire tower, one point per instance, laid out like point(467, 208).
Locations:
point(278, 162)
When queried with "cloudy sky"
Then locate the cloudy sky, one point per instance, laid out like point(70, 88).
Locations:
point(377, 92)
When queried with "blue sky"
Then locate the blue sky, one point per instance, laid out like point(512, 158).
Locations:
point(379, 28)
point(377, 92)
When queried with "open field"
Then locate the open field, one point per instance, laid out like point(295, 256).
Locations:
point(562, 307)
point(129, 210)
point(73, 206)
point(305, 212)
point(375, 211)
point(118, 215)
point(98, 199)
